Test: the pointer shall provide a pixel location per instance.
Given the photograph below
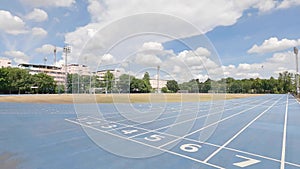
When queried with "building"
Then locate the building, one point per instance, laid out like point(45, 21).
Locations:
point(56, 72)
point(5, 62)
point(162, 83)
point(77, 69)
point(115, 72)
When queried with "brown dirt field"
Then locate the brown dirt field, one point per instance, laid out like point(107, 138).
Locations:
point(119, 98)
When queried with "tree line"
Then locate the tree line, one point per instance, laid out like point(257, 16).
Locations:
point(20, 81)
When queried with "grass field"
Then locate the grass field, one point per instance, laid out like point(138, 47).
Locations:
point(122, 98)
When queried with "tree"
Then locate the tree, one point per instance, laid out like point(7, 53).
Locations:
point(108, 81)
point(146, 80)
point(164, 90)
point(285, 82)
point(18, 80)
point(45, 83)
point(172, 85)
point(137, 86)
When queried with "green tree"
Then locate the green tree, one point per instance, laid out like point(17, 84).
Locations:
point(164, 90)
point(285, 82)
point(137, 86)
point(108, 81)
point(18, 80)
point(172, 85)
point(45, 83)
point(146, 80)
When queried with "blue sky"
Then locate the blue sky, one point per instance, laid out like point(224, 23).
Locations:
point(251, 38)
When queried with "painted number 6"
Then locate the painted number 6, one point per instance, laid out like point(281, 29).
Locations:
point(191, 148)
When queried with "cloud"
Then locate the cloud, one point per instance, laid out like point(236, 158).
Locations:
point(18, 56)
point(266, 5)
point(274, 45)
point(43, 3)
point(96, 9)
point(36, 31)
point(48, 49)
point(152, 46)
point(174, 22)
point(279, 62)
point(148, 60)
point(11, 24)
point(37, 15)
point(288, 3)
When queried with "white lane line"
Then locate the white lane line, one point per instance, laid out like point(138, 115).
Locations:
point(164, 150)
point(282, 165)
point(238, 133)
point(212, 124)
point(155, 130)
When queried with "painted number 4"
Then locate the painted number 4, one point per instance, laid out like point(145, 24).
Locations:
point(129, 131)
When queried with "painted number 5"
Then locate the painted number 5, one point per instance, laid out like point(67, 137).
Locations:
point(191, 148)
point(154, 138)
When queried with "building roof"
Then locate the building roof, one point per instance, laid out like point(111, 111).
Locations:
point(39, 66)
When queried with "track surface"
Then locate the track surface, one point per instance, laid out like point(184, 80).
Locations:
point(257, 132)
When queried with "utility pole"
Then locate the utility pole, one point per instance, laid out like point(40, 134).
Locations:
point(297, 71)
point(158, 67)
point(67, 49)
point(54, 51)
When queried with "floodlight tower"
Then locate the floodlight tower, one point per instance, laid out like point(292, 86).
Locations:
point(67, 49)
point(297, 71)
point(54, 52)
point(158, 67)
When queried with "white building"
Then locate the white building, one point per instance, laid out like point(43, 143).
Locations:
point(161, 83)
point(115, 72)
point(77, 69)
point(5, 62)
point(56, 72)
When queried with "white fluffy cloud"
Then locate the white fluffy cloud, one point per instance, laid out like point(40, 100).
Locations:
point(54, 3)
point(273, 45)
point(18, 56)
point(96, 10)
point(11, 24)
point(152, 46)
point(37, 15)
point(279, 62)
point(36, 31)
point(48, 49)
point(288, 3)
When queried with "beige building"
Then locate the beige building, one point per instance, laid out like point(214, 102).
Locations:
point(162, 83)
point(77, 69)
point(102, 73)
point(56, 72)
point(5, 62)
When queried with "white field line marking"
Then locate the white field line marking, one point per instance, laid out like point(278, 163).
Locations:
point(155, 130)
point(238, 133)
point(164, 150)
point(284, 134)
point(229, 117)
point(214, 145)
point(181, 114)
point(171, 109)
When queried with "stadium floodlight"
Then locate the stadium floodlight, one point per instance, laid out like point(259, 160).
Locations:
point(66, 50)
point(297, 71)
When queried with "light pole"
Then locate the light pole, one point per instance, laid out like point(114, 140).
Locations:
point(158, 67)
point(67, 49)
point(297, 71)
